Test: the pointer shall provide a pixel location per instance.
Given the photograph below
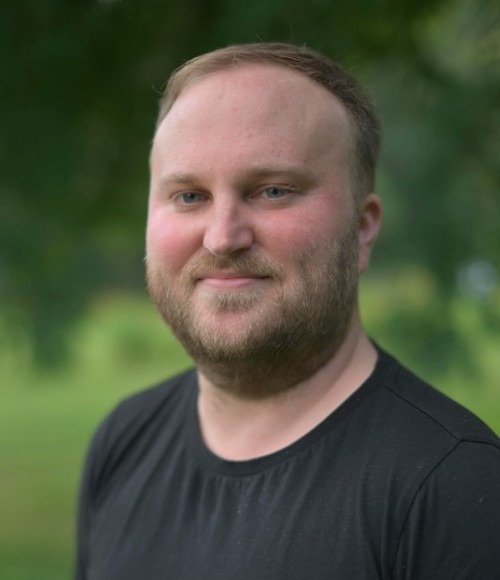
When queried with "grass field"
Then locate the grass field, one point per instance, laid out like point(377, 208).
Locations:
point(46, 419)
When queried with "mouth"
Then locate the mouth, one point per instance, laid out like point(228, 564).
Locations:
point(230, 280)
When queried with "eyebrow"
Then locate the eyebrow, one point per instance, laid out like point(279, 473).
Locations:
point(258, 172)
point(269, 170)
point(181, 178)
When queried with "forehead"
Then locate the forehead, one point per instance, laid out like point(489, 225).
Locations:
point(253, 104)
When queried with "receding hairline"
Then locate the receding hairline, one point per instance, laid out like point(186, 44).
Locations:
point(333, 126)
point(273, 54)
point(194, 80)
point(355, 103)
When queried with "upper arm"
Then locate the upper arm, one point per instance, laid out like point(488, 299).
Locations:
point(452, 529)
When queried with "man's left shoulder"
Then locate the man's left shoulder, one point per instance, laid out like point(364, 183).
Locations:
point(425, 404)
point(452, 521)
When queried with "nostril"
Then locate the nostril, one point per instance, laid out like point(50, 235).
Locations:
point(213, 252)
point(229, 237)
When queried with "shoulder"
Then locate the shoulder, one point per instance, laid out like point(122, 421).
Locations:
point(420, 406)
point(440, 468)
point(452, 526)
point(147, 406)
point(147, 418)
point(413, 436)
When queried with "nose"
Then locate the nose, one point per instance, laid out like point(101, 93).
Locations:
point(228, 228)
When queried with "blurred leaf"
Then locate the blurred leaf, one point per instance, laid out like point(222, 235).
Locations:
point(79, 89)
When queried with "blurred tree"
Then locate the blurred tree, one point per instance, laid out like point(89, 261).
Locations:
point(79, 88)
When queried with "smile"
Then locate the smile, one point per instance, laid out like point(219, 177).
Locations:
point(230, 281)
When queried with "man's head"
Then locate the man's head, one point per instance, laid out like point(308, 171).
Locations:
point(255, 240)
point(313, 65)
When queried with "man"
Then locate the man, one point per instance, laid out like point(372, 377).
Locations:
point(298, 449)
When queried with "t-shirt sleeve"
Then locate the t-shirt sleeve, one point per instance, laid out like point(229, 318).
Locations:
point(87, 497)
point(452, 529)
point(112, 441)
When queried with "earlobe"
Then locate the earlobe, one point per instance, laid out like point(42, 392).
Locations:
point(370, 219)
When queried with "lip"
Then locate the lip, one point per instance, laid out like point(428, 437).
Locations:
point(229, 280)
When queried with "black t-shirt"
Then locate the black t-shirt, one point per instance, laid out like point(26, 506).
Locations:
point(397, 483)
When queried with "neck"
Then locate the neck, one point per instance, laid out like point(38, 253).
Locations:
point(238, 429)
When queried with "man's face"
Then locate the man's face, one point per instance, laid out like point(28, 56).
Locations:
point(252, 238)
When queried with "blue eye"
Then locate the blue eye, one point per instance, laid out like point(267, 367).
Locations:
point(190, 197)
point(275, 192)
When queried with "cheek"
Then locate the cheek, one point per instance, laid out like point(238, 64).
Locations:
point(169, 242)
point(303, 232)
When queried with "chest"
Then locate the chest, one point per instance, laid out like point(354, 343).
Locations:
point(296, 522)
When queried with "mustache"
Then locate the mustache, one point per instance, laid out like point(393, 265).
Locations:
point(244, 265)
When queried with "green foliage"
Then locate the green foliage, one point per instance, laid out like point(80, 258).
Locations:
point(79, 88)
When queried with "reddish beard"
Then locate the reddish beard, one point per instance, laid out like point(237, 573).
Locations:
point(284, 339)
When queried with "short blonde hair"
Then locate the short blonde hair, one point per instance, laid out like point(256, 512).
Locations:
point(310, 63)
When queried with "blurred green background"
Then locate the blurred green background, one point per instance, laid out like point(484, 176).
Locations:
point(79, 86)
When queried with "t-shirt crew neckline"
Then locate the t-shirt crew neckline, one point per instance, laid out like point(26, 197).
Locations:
point(213, 462)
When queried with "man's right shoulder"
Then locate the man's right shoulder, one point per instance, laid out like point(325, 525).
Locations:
point(144, 404)
point(140, 420)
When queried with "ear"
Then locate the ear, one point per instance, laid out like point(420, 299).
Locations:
point(370, 218)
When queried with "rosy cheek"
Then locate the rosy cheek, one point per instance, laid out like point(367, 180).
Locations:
point(291, 233)
point(170, 240)
point(154, 233)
